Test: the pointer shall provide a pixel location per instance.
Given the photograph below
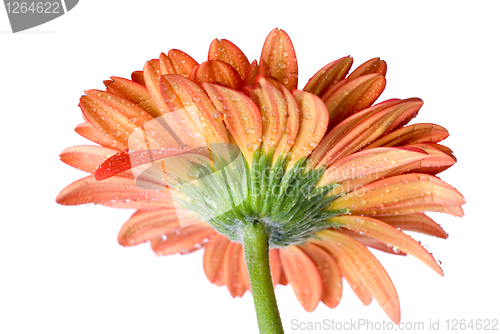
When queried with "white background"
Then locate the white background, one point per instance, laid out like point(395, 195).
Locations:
point(61, 268)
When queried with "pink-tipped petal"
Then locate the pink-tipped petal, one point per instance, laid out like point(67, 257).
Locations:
point(374, 65)
point(361, 129)
point(313, 122)
point(112, 115)
point(241, 116)
point(273, 108)
point(328, 76)
point(138, 77)
point(353, 96)
point(278, 53)
point(229, 53)
point(152, 75)
point(216, 71)
point(291, 127)
point(206, 117)
point(412, 134)
point(435, 162)
point(176, 62)
point(135, 93)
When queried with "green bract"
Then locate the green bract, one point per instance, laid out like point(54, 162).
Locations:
point(229, 194)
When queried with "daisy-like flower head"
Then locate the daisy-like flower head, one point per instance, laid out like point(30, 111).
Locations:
point(207, 152)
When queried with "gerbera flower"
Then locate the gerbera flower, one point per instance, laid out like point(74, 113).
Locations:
point(229, 156)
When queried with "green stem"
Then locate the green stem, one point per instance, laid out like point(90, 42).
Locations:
point(256, 251)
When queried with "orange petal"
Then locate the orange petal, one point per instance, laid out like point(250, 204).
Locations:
point(177, 62)
point(361, 268)
point(88, 158)
point(217, 71)
point(275, 263)
point(291, 127)
point(138, 76)
point(231, 268)
point(417, 222)
point(207, 118)
point(147, 225)
point(229, 53)
point(354, 96)
point(372, 243)
point(152, 75)
point(183, 241)
point(444, 149)
point(435, 162)
point(278, 53)
point(328, 76)
point(86, 130)
point(118, 192)
point(390, 235)
point(407, 193)
point(124, 161)
point(254, 70)
point(303, 275)
point(367, 166)
point(348, 125)
point(133, 92)
point(214, 256)
point(412, 134)
point(241, 116)
point(273, 108)
point(166, 66)
point(112, 115)
point(361, 129)
point(313, 122)
point(330, 274)
point(374, 65)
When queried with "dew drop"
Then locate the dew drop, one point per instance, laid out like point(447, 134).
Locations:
point(249, 131)
point(251, 147)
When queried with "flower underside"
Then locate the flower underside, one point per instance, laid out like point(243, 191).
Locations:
point(207, 152)
point(229, 194)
